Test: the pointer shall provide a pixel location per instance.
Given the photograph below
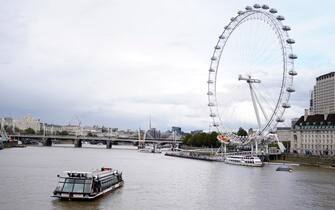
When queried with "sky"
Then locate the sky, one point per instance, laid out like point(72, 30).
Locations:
point(119, 62)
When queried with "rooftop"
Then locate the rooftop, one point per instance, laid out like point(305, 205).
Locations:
point(325, 76)
point(317, 119)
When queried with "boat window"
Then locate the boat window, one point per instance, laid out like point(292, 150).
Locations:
point(78, 188)
point(59, 186)
point(69, 180)
point(87, 188)
point(68, 187)
point(80, 181)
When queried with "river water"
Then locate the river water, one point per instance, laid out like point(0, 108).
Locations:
point(154, 181)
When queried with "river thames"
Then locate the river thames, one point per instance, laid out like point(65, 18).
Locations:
point(154, 181)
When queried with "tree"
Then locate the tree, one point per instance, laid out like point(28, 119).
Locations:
point(186, 138)
point(242, 132)
point(104, 129)
point(63, 133)
point(29, 131)
point(201, 140)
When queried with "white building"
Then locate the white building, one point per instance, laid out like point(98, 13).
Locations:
point(285, 136)
point(28, 122)
point(314, 134)
point(323, 96)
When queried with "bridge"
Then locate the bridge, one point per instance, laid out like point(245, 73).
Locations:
point(77, 140)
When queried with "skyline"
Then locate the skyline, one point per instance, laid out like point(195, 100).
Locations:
point(117, 63)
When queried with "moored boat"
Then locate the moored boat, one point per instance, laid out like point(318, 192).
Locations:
point(87, 185)
point(244, 160)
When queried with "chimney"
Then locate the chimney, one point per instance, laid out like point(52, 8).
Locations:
point(306, 114)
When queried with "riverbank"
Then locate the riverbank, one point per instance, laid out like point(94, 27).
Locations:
point(315, 161)
point(11, 144)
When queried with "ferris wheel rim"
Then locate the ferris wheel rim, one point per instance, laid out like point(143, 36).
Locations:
point(287, 61)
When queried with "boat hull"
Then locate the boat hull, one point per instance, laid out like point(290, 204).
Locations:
point(245, 164)
point(79, 196)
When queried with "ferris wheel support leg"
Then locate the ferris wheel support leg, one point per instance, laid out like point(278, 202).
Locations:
point(260, 106)
point(256, 146)
point(280, 144)
point(255, 106)
point(225, 150)
point(266, 149)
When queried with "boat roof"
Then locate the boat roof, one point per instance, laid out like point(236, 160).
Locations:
point(94, 173)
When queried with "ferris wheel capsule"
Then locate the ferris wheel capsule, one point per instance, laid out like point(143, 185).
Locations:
point(257, 6)
point(248, 8)
point(217, 47)
point(273, 10)
point(213, 58)
point(280, 17)
point(211, 70)
point(264, 6)
point(286, 105)
point(290, 41)
point(290, 89)
point(292, 73)
point(286, 28)
point(292, 56)
point(240, 12)
point(280, 119)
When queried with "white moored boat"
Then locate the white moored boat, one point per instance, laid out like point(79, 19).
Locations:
point(244, 160)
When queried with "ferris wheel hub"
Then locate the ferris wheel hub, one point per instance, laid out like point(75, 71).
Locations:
point(249, 79)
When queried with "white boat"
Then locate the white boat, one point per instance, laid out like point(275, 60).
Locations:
point(244, 160)
point(87, 185)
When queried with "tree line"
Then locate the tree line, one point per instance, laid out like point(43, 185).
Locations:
point(206, 139)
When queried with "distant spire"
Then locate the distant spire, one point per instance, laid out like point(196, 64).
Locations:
point(150, 122)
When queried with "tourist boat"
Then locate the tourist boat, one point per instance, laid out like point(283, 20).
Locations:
point(87, 185)
point(244, 160)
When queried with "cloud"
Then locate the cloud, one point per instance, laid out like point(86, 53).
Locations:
point(117, 62)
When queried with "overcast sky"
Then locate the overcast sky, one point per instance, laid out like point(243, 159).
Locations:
point(116, 62)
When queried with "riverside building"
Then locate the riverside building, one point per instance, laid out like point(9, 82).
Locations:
point(314, 135)
point(323, 96)
point(28, 122)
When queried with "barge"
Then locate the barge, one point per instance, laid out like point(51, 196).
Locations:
point(87, 185)
point(195, 155)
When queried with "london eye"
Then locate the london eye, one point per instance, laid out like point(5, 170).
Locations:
point(250, 78)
